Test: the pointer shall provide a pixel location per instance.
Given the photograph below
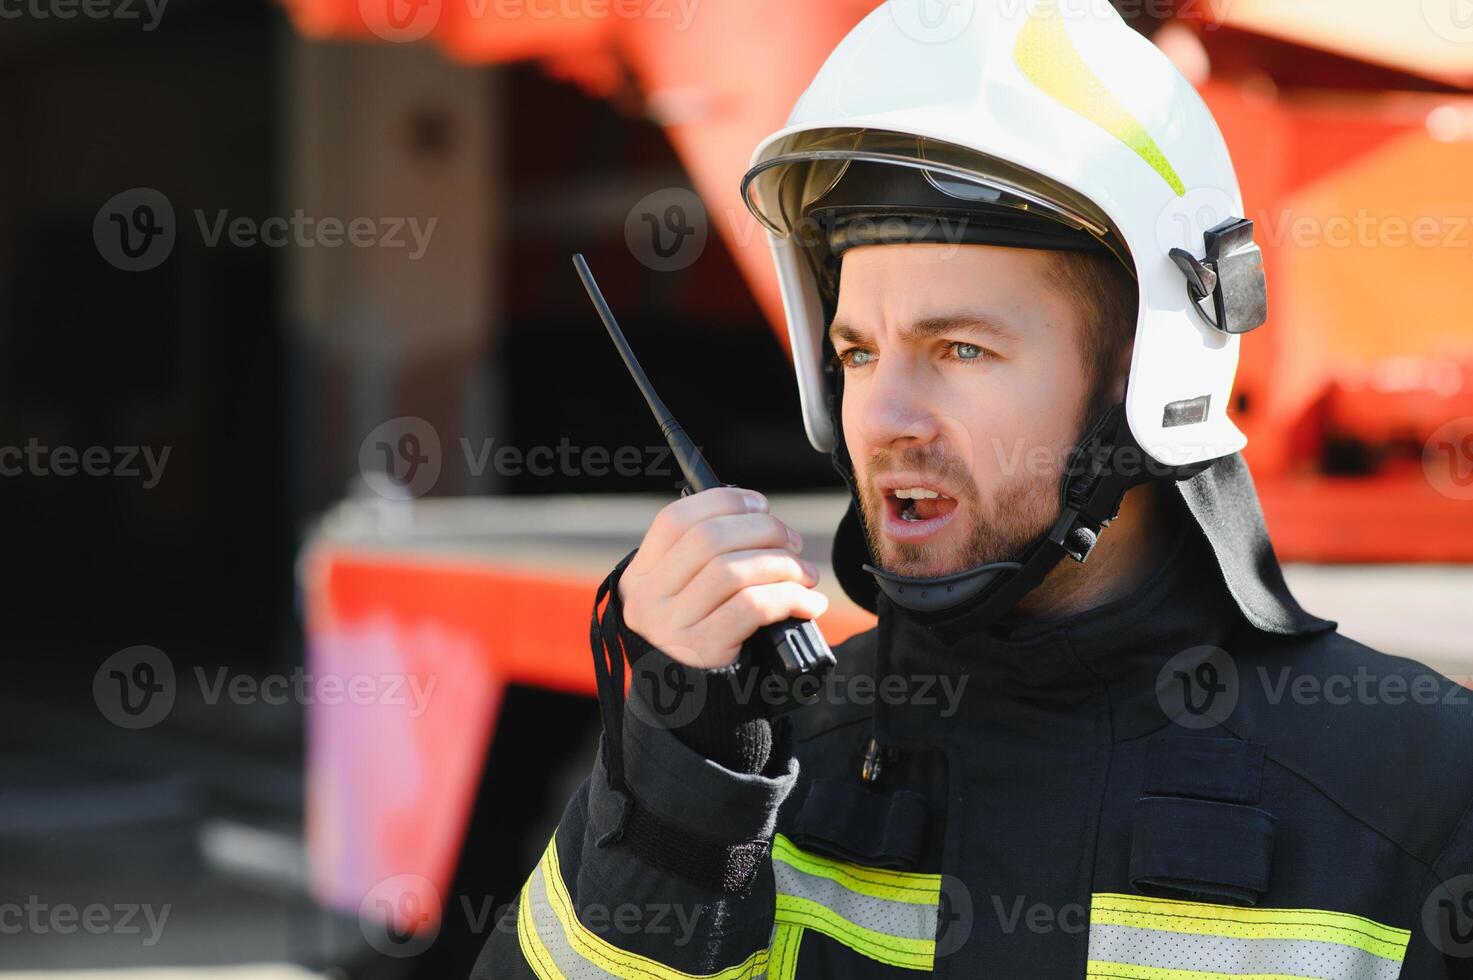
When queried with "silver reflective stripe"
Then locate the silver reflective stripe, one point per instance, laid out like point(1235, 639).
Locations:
point(904, 920)
point(569, 962)
point(1169, 950)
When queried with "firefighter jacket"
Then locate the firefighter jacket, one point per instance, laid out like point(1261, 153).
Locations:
point(1194, 782)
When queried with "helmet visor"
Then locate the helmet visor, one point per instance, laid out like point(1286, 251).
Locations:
point(802, 167)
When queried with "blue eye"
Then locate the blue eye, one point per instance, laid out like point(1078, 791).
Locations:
point(967, 352)
point(855, 357)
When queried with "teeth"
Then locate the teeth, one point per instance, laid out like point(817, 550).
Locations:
point(916, 493)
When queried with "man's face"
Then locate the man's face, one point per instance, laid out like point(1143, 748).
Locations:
point(964, 391)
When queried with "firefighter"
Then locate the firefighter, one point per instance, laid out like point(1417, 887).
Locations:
point(1093, 734)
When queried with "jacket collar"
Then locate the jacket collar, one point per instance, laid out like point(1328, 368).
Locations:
point(1025, 671)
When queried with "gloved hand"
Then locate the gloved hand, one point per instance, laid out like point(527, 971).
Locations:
point(731, 727)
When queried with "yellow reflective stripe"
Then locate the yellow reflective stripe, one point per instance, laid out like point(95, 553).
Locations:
point(782, 962)
point(891, 886)
point(1051, 61)
point(1344, 920)
point(1124, 971)
point(533, 950)
point(893, 896)
point(911, 954)
point(604, 954)
point(1200, 918)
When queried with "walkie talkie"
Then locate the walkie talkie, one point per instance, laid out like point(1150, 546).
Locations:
point(794, 649)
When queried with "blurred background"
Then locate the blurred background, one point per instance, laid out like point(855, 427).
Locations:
point(312, 452)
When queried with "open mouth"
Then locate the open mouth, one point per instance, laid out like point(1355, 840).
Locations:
point(916, 512)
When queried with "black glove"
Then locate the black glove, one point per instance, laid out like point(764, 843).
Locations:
point(729, 727)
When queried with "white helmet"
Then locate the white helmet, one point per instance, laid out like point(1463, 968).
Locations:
point(1054, 108)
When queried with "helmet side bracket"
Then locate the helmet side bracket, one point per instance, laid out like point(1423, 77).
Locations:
point(1231, 275)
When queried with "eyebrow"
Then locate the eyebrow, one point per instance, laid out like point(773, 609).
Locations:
point(931, 326)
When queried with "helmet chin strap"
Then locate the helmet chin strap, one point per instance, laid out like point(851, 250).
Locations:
point(1104, 465)
point(942, 592)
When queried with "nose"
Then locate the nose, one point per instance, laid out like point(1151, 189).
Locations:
point(897, 410)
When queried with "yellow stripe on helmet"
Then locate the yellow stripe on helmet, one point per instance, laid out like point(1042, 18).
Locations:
point(1051, 61)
